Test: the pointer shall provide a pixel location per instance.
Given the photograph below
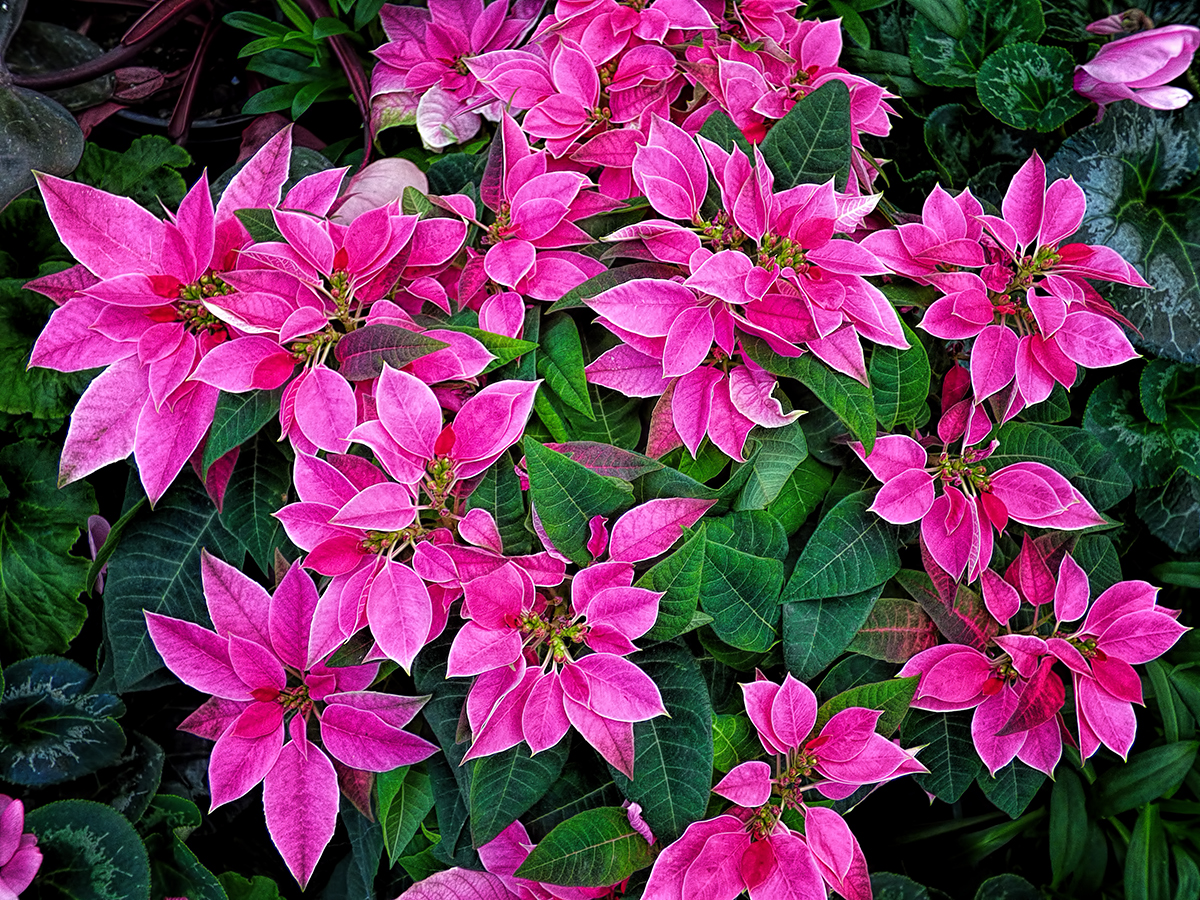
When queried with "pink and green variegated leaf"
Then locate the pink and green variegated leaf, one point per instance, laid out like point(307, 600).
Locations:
point(652, 528)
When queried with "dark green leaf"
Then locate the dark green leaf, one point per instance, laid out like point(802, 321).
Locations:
point(941, 59)
point(673, 755)
point(895, 631)
point(780, 451)
point(561, 362)
point(1147, 776)
point(92, 850)
point(238, 418)
point(1008, 887)
point(257, 490)
point(156, 567)
point(1012, 788)
point(900, 382)
point(735, 740)
point(451, 173)
point(39, 577)
point(811, 144)
point(499, 492)
point(850, 400)
point(35, 133)
point(678, 578)
point(260, 222)
point(1097, 556)
point(852, 550)
point(1172, 512)
point(741, 593)
point(816, 632)
point(801, 494)
point(1029, 87)
point(504, 348)
point(1102, 480)
point(889, 886)
point(506, 784)
point(949, 752)
point(947, 16)
point(567, 495)
point(1068, 824)
point(52, 729)
point(597, 847)
point(719, 129)
point(1147, 863)
point(363, 352)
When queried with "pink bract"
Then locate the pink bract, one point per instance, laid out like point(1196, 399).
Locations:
point(20, 857)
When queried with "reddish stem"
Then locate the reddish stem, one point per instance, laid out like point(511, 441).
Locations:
point(181, 116)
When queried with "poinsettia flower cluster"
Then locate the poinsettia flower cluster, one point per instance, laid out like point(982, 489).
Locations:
point(1015, 685)
point(273, 694)
point(959, 499)
point(755, 846)
point(592, 75)
point(1029, 305)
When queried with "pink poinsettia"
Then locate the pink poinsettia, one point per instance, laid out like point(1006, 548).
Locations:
point(20, 857)
point(1031, 311)
point(264, 666)
point(142, 311)
point(750, 847)
point(957, 522)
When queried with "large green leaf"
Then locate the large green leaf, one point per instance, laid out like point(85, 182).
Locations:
point(1029, 87)
point(499, 492)
point(257, 490)
point(949, 753)
point(89, 852)
point(946, 61)
point(40, 579)
point(852, 550)
point(1101, 479)
point(594, 848)
point(801, 494)
point(156, 567)
point(148, 171)
point(735, 740)
point(850, 400)
point(238, 418)
point(1012, 788)
point(404, 799)
point(1068, 824)
point(895, 631)
point(561, 362)
point(780, 452)
point(1147, 776)
point(364, 352)
point(673, 755)
point(741, 592)
point(900, 382)
point(892, 697)
point(1148, 861)
point(677, 578)
point(811, 144)
point(504, 786)
point(567, 495)
point(1139, 169)
point(52, 728)
point(816, 632)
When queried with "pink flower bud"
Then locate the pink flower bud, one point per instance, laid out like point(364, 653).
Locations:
point(1138, 67)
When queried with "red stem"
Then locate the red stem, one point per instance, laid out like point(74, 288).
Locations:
point(181, 116)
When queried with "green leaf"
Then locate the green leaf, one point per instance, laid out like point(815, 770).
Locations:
point(741, 593)
point(327, 26)
point(499, 492)
point(678, 579)
point(364, 352)
point(260, 223)
point(504, 348)
point(46, 395)
point(1012, 788)
point(238, 418)
point(1147, 776)
point(237, 887)
point(451, 173)
point(257, 490)
point(895, 631)
point(506, 784)
point(1187, 873)
point(148, 171)
point(752, 531)
point(561, 362)
point(1147, 863)
point(1008, 887)
point(780, 452)
point(811, 144)
point(255, 24)
point(719, 129)
point(156, 567)
point(893, 697)
point(1144, 450)
point(1172, 512)
point(1101, 479)
point(851, 672)
point(567, 495)
point(39, 577)
point(1068, 824)
point(900, 382)
point(1139, 166)
point(801, 494)
point(949, 752)
point(851, 551)
point(673, 754)
point(92, 851)
point(1097, 557)
point(890, 886)
point(594, 848)
point(735, 740)
point(940, 59)
point(405, 799)
point(947, 16)
point(816, 632)
point(1029, 87)
point(850, 400)
point(52, 728)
